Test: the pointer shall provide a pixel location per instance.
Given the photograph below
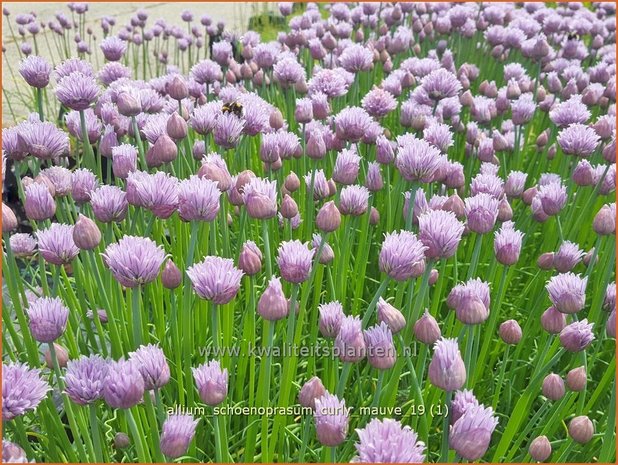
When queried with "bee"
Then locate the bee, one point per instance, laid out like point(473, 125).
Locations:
point(233, 107)
point(573, 36)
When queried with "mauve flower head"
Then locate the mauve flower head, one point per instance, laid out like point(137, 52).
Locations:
point(347, 166)
point(250, 258)
point(440, 231)
point(355, 58)
point(124, 385)
point(349, 342)
point(77, 91)
point(73, 65)
point(331, 420)
point(523, 109)
point(215, 279)
point(60, 178)
point(567, 257)
point(321, 189)
point(260, 198)
point(552, 197)
point(112, 72)
point(385, 153)
point(471, 434)
point(402, 255)
point(273, 304)
point(176, 435)
point(439, 135)
point(352, 123)
point(378, 102)
point(388, 441)
point(156, 192)
point(47, 319)
point(353, 200)
point(609, 302)
point(212, 382)
point(569, 112)
point(330, 82)
point(83, 183)
point(577, 336)
point(440, 84)
point(198, 199)
point(507, 243)
point(417, 160)
point(471, 301)
point(35, 70)
point(109, 203)
point(23, 245)
point(446, 369)
point(84, 379)
point(222, 52)
point(56, 244)
point(515, 184)
point(294, 259)
point(288, 71)
point(152, 364)
point(12, 452)
point(462, 400)
point(22, 389)
point(39, 203)
point(134, 260)
point(207, 72)
point(113, 48)
point(567, 291)
point(481, 212)
point(578, 139)
point(331, 317)
point(42, 140)
point(124, 160)
point(228, 129)
point(487, 183)
point(381, 352)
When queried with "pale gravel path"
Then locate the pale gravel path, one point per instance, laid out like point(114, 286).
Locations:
point(235, 15)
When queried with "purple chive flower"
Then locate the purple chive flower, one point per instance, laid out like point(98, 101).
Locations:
point(578, 139)
point(481, 212)
point(211, 382)
point(417, 160)
point(523, 109)
point(570, 112)
point(381, 352)
point(83, 183)
point(124, 160)
point(346, 167)
point(462, 400)
point(13, 453)
point(552, 197)
point(134, 261)
point(577, 336)
point(84, 379)
point(568, 256)
point(353, 200)
point(157, 192)
point(43, 140)
point(471, 434)
point(39, 203)
point(378, 102)
point(113, 48)
point(35, 71)
point(440, 84)
point(352, 123)
point(260, 198)
point(23, 245)
point(471, 301)
point(22, 389)
point(446, 369)
point(152, 364)
point(294, 259)
point(109, 203)
point(329, 82)
point(207, 72)
point(387, 441)
point(609, 302)
point(60, 178)
point(331, 317)
point(176, 435)
point(56, 244)
point(77, 91)
point(273, 304)
point(331, 420)
point(355, 58)
point(567, 291)
point(515, 184)
point(48, 319)
point(222, 52)
point(402, 256)
point(124, 385)
point(438, 135)
point(198, 199)
point(487, 183)
point(228, 129)
point(507, 243)
point(320, 185)
point(215, 279)
point(288, 71)
point(440, 231)
point(350, 343)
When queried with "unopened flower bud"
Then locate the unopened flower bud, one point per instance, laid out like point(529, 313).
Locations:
point(510, 332)
point(328, 218)
point(311, 390)
point(288, 208)
point(426, 329)
point(546, 261)
point(581, 429)
point(250, 258)
point(576, 379)
point(62, 356)
point(171, 276)
point(540, 449)
point(553, 387)
point(86, 233)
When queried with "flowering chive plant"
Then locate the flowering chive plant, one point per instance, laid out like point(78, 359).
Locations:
point(386, 234)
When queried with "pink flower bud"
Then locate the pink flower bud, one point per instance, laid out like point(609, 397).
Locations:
point(86, 233)
point(581, 429)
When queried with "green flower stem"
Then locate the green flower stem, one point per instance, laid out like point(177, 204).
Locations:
point(269, 266)
point(137, 316)
point(445, 429)
point(505, 361)
point(263, 398)
point(138, 436)
point(343, 378)
point(94, 428)
point(376, 394)
point(306, 426)
point(39, 103)
point(374, 301)
point(139, 143)
point(478, 243)
point(416, 388)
